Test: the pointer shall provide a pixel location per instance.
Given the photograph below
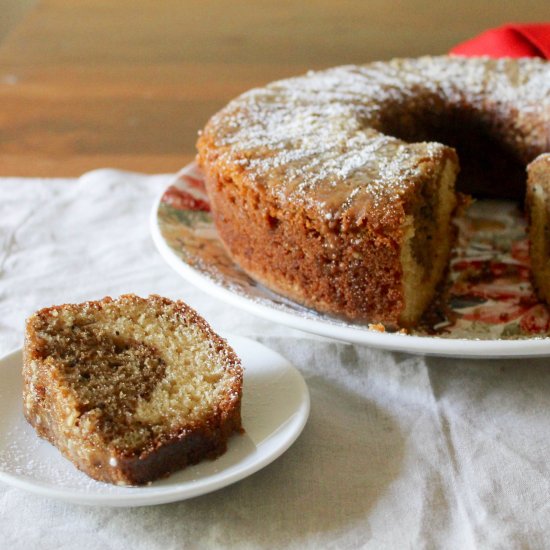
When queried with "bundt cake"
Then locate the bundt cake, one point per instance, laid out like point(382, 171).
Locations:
point(337, 188)
point(130, 389)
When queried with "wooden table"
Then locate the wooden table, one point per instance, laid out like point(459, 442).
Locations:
point(127, 84)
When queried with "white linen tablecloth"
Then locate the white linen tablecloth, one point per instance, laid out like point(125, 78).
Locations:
point(399, 452)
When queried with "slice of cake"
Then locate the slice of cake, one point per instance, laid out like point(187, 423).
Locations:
point(538, 208)
point(132, 389)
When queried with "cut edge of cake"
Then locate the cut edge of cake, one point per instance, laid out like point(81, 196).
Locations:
point(429, 235)
point(538, 210)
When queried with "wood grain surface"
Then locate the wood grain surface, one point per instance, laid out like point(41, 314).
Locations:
point(127, 84)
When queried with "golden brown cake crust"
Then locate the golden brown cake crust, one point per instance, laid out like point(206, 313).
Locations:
point(317, 262)
point(61, 413)
point(310, 190)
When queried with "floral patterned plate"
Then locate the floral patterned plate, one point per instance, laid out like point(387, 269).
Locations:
point(490, 309)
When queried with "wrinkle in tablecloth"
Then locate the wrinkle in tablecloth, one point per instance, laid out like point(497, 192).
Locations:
point(400, 451)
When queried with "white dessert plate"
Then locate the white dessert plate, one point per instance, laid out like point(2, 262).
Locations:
point(275, 408)
point(491, 311)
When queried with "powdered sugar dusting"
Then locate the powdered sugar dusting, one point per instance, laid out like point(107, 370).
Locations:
point(35, 458)
point(319, 139)
point(23, 454)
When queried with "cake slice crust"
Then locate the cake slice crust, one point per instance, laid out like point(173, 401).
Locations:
point(131, 389)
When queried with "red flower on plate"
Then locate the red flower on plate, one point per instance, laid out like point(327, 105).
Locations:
point(520, 251)
point(536, 320)
point(184, 200)
point(504, 289)
point(194, 183)
point(489, 270)
point(496, 313)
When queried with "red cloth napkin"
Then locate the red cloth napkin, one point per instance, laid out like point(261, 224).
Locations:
point(532, 40)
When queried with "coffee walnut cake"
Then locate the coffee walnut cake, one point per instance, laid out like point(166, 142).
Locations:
point(338, 188)
point(132, 389)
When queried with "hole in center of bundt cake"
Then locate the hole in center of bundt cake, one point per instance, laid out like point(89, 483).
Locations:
point(488, 166)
